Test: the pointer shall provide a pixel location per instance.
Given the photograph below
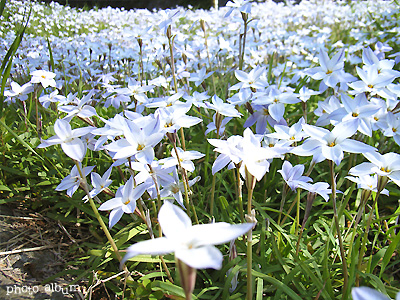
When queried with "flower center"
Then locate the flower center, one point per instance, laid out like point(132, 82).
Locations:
point(354, 114)
point(328, 72)
point(331, 144)
point(175, 189)
point(140, 147)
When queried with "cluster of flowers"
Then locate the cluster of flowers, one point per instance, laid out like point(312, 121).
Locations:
point(356, 108)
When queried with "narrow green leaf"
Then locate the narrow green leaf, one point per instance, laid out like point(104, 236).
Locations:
point(51, 55)
point(278, 284)
point(25, 144)
point(169, 287)
point(2, 5)
point(260, 284)
point(4, 188)
point(388, 254)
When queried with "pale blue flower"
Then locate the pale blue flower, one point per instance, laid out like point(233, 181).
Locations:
point(331, 144)
point(124, 201)
point(193, 245)
point(367, 293)
point(73, 180)
point(69, 139)
point(293, 176)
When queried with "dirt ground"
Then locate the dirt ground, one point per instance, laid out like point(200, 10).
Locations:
point(32, 249)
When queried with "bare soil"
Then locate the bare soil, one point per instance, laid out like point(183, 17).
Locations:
point(33, 249)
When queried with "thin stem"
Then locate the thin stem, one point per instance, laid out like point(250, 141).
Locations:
point(184, 179)
point(212, 196)
point(356, 220)
point(342, 253)
point(96, 212)
point(369, 220)
point(250, 183)
point(239, 193)
point(249, 250)
point(171, 52)
point(241, 59)
point(203, 26)
point(297, 211)
point(283, 200)
point(154, 176)
point(288, 212)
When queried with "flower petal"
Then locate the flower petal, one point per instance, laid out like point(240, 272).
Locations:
point(158, 246)
point(173, 220)
point(75, 149)
point(217, 233)
point(201, 258)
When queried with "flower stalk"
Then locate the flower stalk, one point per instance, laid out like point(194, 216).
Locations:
point(336, 220)
point(382, 180)
point(250, 217)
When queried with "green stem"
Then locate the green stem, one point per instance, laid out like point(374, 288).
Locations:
point(283, 200)
point(96, 212)
point(297, 211)
point(159, 226)
point(185, 181)
point(239, 193)
point(250, 183)
point(342, 253)
point(364, 198)
point(171, 52)
point(212, 196)
point(203, 26)
point(365, 237)
point(249, 250)
point(241, 59)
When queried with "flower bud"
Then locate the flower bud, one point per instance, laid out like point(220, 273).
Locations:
point(188, 278)
point(169, 33)
point(202, 25)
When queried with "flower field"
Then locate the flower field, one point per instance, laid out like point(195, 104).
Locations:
point(249, 152)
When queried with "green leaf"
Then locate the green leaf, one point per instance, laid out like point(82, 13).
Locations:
point(2, 5)
point(278, 284)
point(389, 252)
point(4, 188)
point(259, 294)
point(169, 287)
point(19, 139)
point(51, 55)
